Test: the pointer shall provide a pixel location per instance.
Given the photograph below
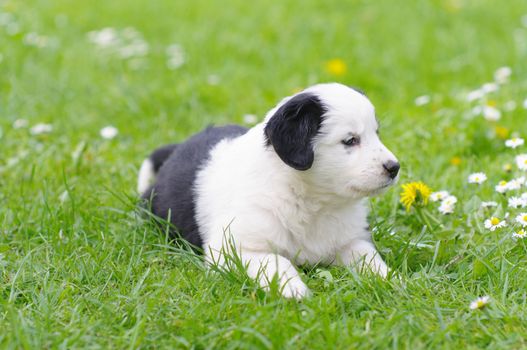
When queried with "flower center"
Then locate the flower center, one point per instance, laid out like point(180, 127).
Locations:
point(503, 183)
point(524, 218)
point(495, 221)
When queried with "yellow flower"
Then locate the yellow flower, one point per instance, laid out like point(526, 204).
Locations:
point(415, 193)
point(455, 161)
point(502, 132)
point(336, 67)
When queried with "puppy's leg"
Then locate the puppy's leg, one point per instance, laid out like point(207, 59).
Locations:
point(265, 266)
point(362, 252)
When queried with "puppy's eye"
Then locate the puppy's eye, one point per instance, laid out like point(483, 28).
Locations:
point(352, 141)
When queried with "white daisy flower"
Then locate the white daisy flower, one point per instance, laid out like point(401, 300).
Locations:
point(175, 62)
point(134, 49)
point(438, 196)
point(491, 113)
point(475, 95)
point(6, 18)
point(451, 200)
point(476, 110)
point(12, 28)
point(515, 184)
point(104, 38)
point(479, 303)
point(517, 202)
point(176, 56)
point(446, 208)
point(250, 119)
point(109, 132)
point(525, 103)
point(34, 39)
point(502, 186)
point(514, 142)
point(521, 161)
point(20, 123)
point(41, 128)
point(524, 196)
point(489, 87)
point(502, 75)
point(489, 204)
point(522, 219)
point(213, 79)
point(495, 223)
point(519, 180)
point(127, 44)
point(520, 234)
point(422, 100)
point(447, 204)
point(509, 106)
point(477, 178)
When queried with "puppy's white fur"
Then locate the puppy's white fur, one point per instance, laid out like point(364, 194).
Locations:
point(146, 176)
point(279, 217)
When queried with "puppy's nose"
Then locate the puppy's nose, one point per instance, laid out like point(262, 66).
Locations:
point(392, 168)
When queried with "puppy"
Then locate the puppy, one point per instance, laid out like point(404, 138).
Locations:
point(291, 190)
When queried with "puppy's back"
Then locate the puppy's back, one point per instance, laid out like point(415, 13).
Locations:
point(172, 197)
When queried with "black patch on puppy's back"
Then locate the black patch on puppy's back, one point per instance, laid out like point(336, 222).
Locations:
point(173, 196)
point(292, 128)
point(160, 155)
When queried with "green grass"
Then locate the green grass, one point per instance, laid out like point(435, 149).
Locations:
point(83, 271)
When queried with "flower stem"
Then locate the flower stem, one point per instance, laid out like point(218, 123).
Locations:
point(424, 218)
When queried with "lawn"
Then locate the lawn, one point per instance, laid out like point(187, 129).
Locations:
point(79, 268)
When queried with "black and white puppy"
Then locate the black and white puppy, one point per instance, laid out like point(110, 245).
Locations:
point(291, 190)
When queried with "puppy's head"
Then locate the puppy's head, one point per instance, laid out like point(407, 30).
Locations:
point(330, 132)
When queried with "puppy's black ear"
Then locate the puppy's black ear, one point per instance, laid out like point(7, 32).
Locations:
point(291, 130)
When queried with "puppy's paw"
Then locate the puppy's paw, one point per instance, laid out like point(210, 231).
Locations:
point(379, 267)
point(295, 288)
point(266, 267)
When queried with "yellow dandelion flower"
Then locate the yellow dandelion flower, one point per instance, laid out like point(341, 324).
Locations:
point(455, 161)
point(502, 132)
point(415, 193)
point(336, 67)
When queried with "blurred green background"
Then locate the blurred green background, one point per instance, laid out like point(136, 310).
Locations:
point(79, 269)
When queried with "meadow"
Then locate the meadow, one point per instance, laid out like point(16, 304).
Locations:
point(88, 89)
